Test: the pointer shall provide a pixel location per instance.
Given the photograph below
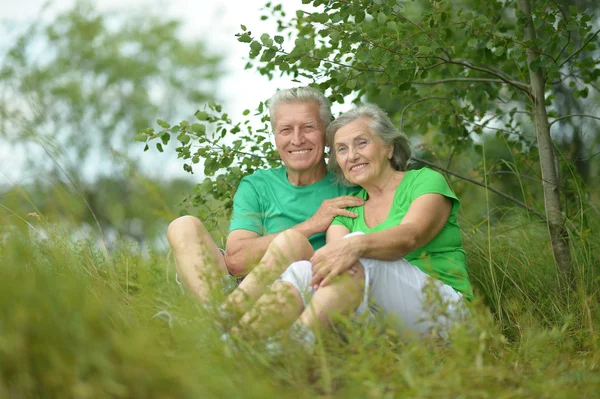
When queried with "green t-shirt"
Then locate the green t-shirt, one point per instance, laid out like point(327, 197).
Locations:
point(267, 203)
point(444, 256)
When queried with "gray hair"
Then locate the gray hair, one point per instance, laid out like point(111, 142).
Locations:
point(301, 95)
point(380, 125)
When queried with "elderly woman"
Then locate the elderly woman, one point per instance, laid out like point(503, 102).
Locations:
point(405, 238)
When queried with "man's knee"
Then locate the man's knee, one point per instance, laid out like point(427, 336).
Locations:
point(184, 227)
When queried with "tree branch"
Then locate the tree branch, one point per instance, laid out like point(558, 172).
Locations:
point(570, 116)
point(422, 30)
point(500, 193)
point(420, 100)
point(473, 80)
point(510, 81)
point(580, 48)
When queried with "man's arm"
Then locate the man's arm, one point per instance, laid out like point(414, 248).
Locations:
point(245, 248)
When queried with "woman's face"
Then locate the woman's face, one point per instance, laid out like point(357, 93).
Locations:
point(362, 155)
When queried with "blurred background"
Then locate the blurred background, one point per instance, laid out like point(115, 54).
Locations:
point(79, 79)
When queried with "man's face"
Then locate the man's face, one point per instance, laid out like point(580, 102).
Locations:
point(299, 135)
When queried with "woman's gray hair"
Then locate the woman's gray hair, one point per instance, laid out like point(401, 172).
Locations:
point(301, 95)
point(381, 126)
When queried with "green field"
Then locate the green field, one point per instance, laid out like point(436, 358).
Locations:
point(75, 322)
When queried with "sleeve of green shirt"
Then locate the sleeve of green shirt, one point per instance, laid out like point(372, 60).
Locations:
point(246, 209)
point(342, 221)
point(431, 182)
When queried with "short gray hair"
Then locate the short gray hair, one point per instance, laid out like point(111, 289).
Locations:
point(380, 125)
point(301, 95)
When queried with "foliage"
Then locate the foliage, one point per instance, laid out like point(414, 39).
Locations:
point(78, 324)
point(445, 70)
point(124, 207)
point(99, 79)
point(76, 86)
point(457, 69)
point(237, 148)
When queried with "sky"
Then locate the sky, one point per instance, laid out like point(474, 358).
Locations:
point(216, 22)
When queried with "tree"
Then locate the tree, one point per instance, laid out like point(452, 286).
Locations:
point(76, 87)
point(84, 82)
point(459, 69)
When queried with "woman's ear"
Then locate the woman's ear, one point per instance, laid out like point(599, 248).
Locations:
point(390, 151)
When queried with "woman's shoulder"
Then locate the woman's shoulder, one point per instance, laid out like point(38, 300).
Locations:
point(424, 172)
point(360, 193)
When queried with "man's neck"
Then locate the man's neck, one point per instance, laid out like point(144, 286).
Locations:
point(307, 177)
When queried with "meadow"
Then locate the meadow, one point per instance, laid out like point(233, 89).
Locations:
point(76, 321)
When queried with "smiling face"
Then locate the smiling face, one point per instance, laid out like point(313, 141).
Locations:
point(361, 154)
point(299, 136)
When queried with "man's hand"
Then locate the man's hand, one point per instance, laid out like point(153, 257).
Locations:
point(332, 260)
point(331, 208)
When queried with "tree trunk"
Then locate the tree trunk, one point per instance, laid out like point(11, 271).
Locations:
point(556, 219)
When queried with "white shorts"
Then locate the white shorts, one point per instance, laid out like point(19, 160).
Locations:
point(398, 289)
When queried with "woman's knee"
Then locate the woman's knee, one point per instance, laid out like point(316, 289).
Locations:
point(290, 241)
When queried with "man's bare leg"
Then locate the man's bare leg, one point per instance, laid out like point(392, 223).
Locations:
point(199, 263)
point(275, 310)
point(288, 247)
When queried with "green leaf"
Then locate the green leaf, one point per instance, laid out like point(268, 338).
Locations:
point(404, 86)
point(472, 42)
point(278, 39)
point(159, 147)
point(381, 18)
point(163, 124)
point(255, 46)
point(358, 18)
point(183, 138)
point(198, 128)
point(201, 115)
point(243, 27)
point(424, 50)
point(266, 39)
point(245, 38)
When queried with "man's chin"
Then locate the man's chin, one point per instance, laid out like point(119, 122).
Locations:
point(301, 166)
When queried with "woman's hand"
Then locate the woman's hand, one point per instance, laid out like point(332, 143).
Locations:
point(332, 260)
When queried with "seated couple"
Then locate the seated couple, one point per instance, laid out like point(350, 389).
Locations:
point(383, 244)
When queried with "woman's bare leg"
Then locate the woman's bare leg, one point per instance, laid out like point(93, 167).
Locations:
point(288, 247)
point(341, 297)
point(199, 263)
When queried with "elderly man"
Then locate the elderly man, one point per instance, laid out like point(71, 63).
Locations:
point(301, 196)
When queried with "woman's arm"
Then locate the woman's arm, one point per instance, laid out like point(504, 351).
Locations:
point(425, 218)
point(336, 232)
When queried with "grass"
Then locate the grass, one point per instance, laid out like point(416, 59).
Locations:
point(76, 323)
